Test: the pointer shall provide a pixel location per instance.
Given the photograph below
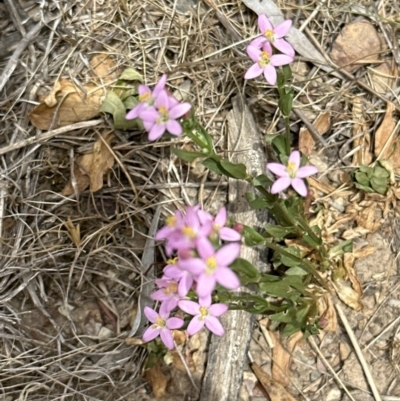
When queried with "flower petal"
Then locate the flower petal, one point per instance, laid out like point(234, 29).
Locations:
point(164, 233)
point(270, 73)
point(160, 85)
point(227, 278)
point(142, 89)
point(149, 114)
point(284, 47)
point(195, 266)
point(264, 23)
point(195, 325)
point(173, 127)
point(229, 234)
point(134, 113)
point(280, 185)
point(217, 309)
point(258, 43)
point(282, 29)
point(278, 169)
point(214, 325)
point(253, 52)
point(166, 338)
point(174, 323)
point(185, 284)
point(156, 131)
point(280, 59)
point(162, 100)
point(306, 171)
point(160, 295)
point(173, 272)
point(253, 72)
point(205, 285)
point(299, 186)
point(150, 334)
point(205, 248)
point(171, 303)
point(179, 110)
point(295, 158)
point(220, 218)
point(227, 254)
point(204, 216)
point(193, 308)
point(151, 314)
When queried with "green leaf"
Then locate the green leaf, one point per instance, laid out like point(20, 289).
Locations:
point(130, 102)
point(381, 172)
point(287, 72)
point(235, 170)
point(362, 178)
point(246, 269)
point(279, 232)
point(258, 203)
point(261, 181)
point(279, 142)
point(252, 237)
point(287, 260)
point(296, 271)
point(113, 105)
point(363, 187)
point(285, 103)
point(186, 155)
point(341, 248)
point(213, 165)
point(130, 74)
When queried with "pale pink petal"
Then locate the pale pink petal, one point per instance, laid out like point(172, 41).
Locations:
point(162, 100)
point(282, 29)
point(150, 334)
point(191, 218)
point(134, 113)
point(156, 132)
point(173, 127)
point(151, 314)
point(217, 309)
point(229, 234)
point(278, 169)
point(214, 325)
point(142, 89)
point(190, 307)
point(185, 284)
point(167, 339)
point(160, 85)
point(173, 272)
point(160, 295)
point(280, 59)
point(227, 254)
point(205, 285)
point(164, 233)
point(280, 185)
point(164, 311)
point(195, 325)
point(299, 186)
point(179, 110)
point(205, 301)
point(253, 52)
point(204, 217)
point(284, 47)
point(205, 248)
point(267, 47)
point(220, 218)
point(270, 74)
point(254, 71)
point(227, 278)
point(258, 43)
point(150, 114)
point(195, 266)
point(295, 158)
point(264, 23)
point(171, 303)
point(306, 171)
point(174, 323)
point(148, 125)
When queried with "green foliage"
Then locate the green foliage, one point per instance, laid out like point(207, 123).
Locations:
point(372, 179)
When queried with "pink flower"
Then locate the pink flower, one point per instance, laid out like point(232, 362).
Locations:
point(147, 98)
point(292, 174)
point(218, 224)
point(275, 35)
point(184, 277)
point(265, 62)
point(212, 268)
point(204, 314)
point(167, 293)
point(162, 326)
point(164, 116)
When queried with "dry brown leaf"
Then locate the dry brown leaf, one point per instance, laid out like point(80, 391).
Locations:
point(306, 141)
point(104, 67)
point(274, 389)
point(364, 251)
point(321, 186)
point(90, 168)
point(383, 77)
point(67, 104)
point(327, 312)
point(357, 42)
point(368, 218)
point(349, 296)
point(282, 356)
point(157, 380)
point(348, 264)
point(178, 363)
point(363, 155)
point(74, 232)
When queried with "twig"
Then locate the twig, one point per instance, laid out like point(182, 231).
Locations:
point(314, 132)
point(358, 351)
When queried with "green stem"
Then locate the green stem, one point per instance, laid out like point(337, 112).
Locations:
point(287, 135)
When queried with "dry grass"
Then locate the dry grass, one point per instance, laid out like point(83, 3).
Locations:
point(68, 299)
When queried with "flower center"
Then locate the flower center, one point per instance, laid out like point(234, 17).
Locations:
point(171, 289)
point(171, 221)
point(189, 232)
point(145, 97)
point(264, 59)
point(270, 35)
point(203, 312)
point(173, 261)
point(164, 117)
point(159, 323)
point(211, 265)
point(291, 170)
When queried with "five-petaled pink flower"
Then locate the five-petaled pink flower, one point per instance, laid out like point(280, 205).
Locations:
point(163, 117)
point(185, 278)
point(204, 314)
point(212, 266)
point(162, 326)
point(167, 293)
point(292, 174)
point(274, 35)
point(265, 62)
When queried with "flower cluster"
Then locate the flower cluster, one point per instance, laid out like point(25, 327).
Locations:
point(204, 247)
point(158, 110)
point(260, 50)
